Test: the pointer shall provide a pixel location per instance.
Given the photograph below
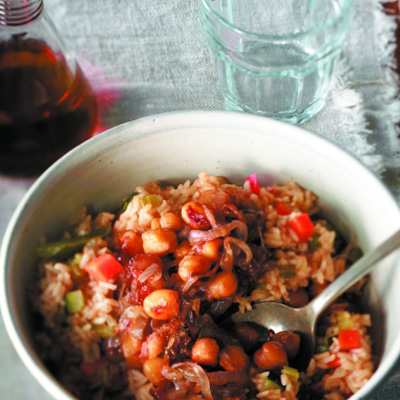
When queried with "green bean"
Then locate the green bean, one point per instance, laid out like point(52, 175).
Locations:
point(124, 205)
point(66, 247)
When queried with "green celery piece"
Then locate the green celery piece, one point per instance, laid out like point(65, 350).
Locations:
point(74, 264)
point(344, 320)
point(292, 373)
point(270, 384)
point(66, 247)
point(74, 301)
point(322, 348)
point(152, 199)
point(104, 330)
point(314, 243)
point(287, 271)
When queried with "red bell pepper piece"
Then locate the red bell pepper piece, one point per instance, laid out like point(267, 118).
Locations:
point(335, 363)
point(253, 180)
point(281, 209)
point(302, 226)
point(104, 268)
point(349, 339)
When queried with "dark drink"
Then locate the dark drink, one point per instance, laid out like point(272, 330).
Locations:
point(46, 108)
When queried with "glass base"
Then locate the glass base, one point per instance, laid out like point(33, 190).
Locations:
point(296, 119)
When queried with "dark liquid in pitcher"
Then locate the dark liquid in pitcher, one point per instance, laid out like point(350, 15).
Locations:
point(45, 108)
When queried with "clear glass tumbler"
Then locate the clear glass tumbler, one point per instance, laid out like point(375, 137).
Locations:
point(275, 58)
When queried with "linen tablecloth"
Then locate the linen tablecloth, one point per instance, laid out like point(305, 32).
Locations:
point(149, 57)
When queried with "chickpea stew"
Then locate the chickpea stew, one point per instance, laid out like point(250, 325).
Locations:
point(131, 304)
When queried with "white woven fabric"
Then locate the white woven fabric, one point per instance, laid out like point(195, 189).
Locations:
point(146, 57)
point(154, 53)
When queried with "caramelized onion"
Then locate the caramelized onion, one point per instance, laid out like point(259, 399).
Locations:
point(194, 373)
point(181, 385)
point(229, 255)
point(171, 374)
point(221, 230)
point(230, 210)
point(183, 234)
point(219, 199)
point(210, 216)
point(133, 312)
point(153, 270)
point(138, 327)
point(189, 283)
point(179, 391)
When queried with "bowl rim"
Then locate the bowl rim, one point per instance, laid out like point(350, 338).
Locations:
point(131, 130)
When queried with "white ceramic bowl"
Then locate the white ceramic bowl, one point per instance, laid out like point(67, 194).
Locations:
point(173, 147)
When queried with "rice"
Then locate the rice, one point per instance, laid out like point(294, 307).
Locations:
point(355, 366)
point(113, 346)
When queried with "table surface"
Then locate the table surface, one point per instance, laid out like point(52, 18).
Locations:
point(145, 58)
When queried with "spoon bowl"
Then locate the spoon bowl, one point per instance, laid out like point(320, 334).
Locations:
point(280, 317)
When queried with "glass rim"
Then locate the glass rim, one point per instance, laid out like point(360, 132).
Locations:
point(266, 37)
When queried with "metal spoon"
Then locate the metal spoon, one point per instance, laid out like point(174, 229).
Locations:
point(279, 317)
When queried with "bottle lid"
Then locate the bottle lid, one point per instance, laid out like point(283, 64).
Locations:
point(19, 12)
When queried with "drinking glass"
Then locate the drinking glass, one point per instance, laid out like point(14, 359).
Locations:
point(275, 58)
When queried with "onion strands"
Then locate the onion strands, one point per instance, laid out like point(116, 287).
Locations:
point(221, 230)
point(194, 373)
point(153, 270)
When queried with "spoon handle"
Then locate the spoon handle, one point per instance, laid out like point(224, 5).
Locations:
point(358, 270)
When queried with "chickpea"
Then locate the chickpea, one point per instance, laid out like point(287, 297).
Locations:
point(152, 371)
point(130, 242)
point(143, 261)
point(224, 284)
point(172, 221)
point(205, 351)
point(220, 200)
point(206, 198)
point(214, 199)
point(162, 304)
point(154, 345)
point(159, 241)
point(155, 223)
point(233, 358)
point(193, 265)
point(290, 342)
point(222, 179)
point(297, 298)
point(183, 249)
point(271, 356)
point(131, 348)
point(209, 249)
point(194, 215)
